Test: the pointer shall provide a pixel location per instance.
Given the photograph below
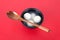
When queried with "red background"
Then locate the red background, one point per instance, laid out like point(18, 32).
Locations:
point(15, 30)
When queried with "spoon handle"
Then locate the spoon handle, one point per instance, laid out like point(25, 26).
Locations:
point(40, 27)
point(44, 28)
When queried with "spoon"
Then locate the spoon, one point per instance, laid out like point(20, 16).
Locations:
point(13, 15)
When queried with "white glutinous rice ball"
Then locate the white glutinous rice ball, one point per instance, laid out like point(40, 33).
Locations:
point(29, 24)
point(37, 19)
point(27, 16)
point(33, 15)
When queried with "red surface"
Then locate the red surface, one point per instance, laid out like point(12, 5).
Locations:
point(15, 30)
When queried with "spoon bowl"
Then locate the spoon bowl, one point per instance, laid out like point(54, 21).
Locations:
point(13, 15)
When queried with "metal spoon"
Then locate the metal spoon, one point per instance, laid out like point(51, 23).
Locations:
point(15, 16)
